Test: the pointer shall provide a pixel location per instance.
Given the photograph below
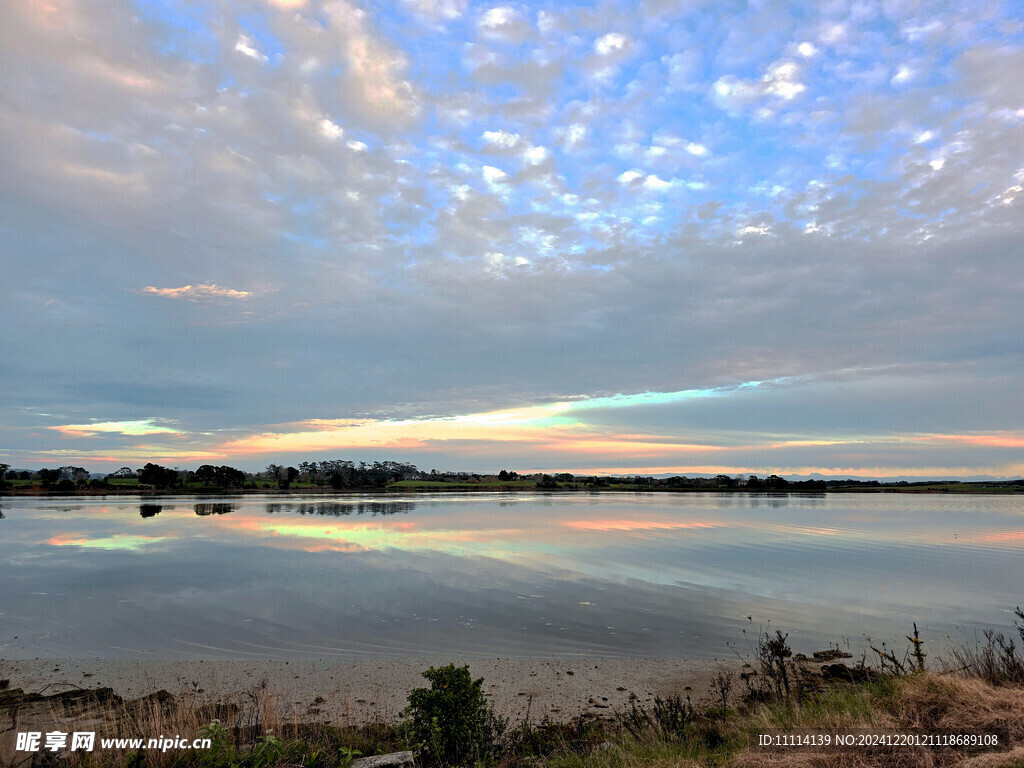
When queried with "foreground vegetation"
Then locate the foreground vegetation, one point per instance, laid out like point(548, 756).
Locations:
point(775, 712)
point(380, 476)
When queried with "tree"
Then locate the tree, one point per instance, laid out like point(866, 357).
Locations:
point(283, 475)
point(74, 475)
point(157, 476)
point(3, 473)
point(48, 477)
point(206, 474)
point(221, 477)
point(121, 474)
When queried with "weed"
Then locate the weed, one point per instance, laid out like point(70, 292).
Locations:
point(451, 722)
point(722, 684)
point(996, 660)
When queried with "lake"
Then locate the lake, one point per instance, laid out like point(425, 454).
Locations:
point(667, 575)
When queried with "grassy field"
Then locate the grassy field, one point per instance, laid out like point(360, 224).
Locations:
point(442, 484)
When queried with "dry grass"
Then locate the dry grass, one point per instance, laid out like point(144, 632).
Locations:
point(1012, 759)
point(261, 712)
point(925, 703)
point(943, 704)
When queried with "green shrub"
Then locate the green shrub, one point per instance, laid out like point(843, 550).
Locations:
point(451, 723)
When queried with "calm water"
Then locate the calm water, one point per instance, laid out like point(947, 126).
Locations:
point(609, 574)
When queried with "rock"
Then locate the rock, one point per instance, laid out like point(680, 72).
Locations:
point(831, 654)
point(161, 697)
point(28, 707)
point(845, 673)
point(392, 760)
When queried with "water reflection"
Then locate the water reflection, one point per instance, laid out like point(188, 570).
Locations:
point(612, 574)
point(214, 509)
point(336, 509)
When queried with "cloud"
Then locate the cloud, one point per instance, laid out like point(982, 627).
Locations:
point(903, 74)
point(436, 10)
point(196, 292)
point(375, 83)
point(501, 139)
point(330, 129)
point(134, 428)
point(504, 23)
point(781, 81)
point(611, 43)
point(247, 47)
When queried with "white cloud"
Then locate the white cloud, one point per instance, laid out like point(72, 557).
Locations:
point(806, 49)
point(628, 177)
point(330, 129)
point(923, 137)
point(575, 134)
point(611, 43)
point(903, 75)
point(494, 177)
point(502, 139)
point(832, 34)
point(547, 22)
point(655, 184)
point(913, 32)
point(499, 17)
point(750, 230)
point(436, 10)
point(535, 155)
point(676, 142)
point(781, 80)
point(504, 23)
point(247, 46)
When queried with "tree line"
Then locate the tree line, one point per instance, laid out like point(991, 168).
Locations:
point(342, 474)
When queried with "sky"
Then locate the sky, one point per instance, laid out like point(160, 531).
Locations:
point(683, 237)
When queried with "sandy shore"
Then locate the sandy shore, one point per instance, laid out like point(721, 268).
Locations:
point(371, 689)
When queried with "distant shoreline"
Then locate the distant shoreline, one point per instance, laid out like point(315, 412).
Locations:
point(987, 489)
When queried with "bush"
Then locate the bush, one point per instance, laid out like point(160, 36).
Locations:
point(451, 723)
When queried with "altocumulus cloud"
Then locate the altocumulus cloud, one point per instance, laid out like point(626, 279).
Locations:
point(415, 216)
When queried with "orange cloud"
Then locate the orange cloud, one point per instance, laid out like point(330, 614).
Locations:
point(196, 292)
point(131, 428)
point(998, 440)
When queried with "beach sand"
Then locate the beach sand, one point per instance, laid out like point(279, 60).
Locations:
point(375, 689)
